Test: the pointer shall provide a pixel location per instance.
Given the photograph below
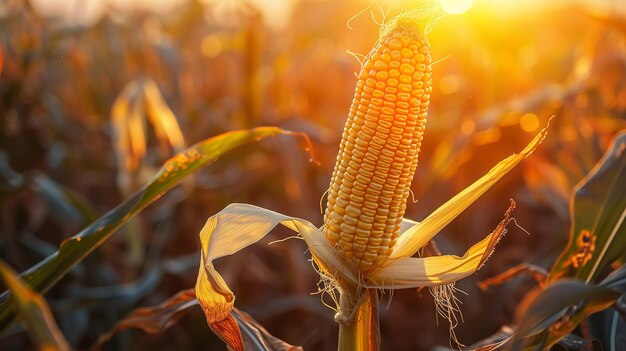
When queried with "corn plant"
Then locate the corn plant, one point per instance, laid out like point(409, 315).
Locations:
point(365, 244)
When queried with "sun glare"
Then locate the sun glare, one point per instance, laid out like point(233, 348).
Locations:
point(456, 7)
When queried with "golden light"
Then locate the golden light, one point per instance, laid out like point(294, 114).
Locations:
point(449, 84)
point(529, 122)
point(468, 127)
point(211, 46)
point(456, 7)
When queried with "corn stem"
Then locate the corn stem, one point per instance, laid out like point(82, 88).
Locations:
point(363, 334)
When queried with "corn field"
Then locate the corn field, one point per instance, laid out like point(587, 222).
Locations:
point(313, 175)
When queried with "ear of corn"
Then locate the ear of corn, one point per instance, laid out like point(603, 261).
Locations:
point(379, 147)
point(358, 250)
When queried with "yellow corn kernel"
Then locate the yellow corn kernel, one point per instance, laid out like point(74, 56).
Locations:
point(379, 148)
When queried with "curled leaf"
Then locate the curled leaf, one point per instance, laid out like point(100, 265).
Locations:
point(228, 330)
point(240, 225)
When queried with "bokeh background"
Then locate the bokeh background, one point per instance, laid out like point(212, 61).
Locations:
point(503, 68)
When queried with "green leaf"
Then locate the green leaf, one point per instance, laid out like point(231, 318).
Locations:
point(597, 239)
point(598, 234)
point(609, 326)
point(49, 271)
point(33, 311)
point(557, 310)
point(550, 304)
point(616, 280)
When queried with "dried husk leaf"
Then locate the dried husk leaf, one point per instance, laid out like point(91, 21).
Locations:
point(417, 236)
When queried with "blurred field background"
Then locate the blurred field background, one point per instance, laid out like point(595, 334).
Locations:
point(504, 68)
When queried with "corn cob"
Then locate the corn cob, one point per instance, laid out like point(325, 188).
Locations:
point(379, 147)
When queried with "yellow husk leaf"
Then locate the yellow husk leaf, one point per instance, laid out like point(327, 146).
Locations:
point(409, 272)
point(419, 235)
point(240, 225)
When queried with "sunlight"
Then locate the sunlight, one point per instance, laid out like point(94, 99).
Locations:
point(456, 7)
